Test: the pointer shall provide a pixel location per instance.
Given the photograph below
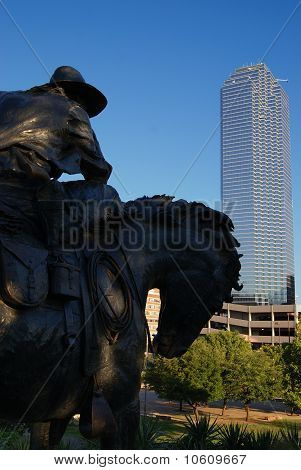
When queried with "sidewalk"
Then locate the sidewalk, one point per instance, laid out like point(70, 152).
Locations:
point(259, 412)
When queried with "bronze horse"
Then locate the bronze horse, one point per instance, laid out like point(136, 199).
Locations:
point(66, 357)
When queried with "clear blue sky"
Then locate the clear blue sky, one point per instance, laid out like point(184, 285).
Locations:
point(161, 64)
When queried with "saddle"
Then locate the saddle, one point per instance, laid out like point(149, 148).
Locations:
point(24, 276)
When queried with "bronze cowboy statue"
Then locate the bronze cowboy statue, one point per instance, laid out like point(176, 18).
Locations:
point(72, 323)
point(45, 132)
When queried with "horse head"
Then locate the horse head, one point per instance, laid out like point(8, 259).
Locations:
point(193, 261)
point(189, 297)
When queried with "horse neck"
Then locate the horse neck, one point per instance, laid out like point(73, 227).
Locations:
point(149, 260)
point(147, 270)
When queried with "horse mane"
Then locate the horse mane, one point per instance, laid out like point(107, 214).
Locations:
point(163, 207)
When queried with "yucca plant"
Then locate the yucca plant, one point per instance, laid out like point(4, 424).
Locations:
point(291, 437)
point(3, 436)
point(200, 433)
point(20, 442)
point(13, 438)
point(150, 431)
point(262, 440)
point(233, 437)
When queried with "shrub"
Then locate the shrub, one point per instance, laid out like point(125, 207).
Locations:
point(13, 437)
point(263, 440)
point(291, 437)
point(233, 437)
point(149, 432)
point(200, 433)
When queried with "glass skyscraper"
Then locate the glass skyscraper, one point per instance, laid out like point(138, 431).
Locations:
point(256, 183)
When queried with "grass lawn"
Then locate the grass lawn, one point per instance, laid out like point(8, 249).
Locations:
point(170, 430)
point(275, 425)
point(173, 429)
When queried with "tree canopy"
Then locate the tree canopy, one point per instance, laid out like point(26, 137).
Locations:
point(233, 350)
point(220, 366)
point(291, 363)
point(195, 377)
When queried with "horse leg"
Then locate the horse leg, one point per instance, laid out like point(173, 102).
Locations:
point(128, 424)
point(56, 432)
point(109, 441)
point(39, 436)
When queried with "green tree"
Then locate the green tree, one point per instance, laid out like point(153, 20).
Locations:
point(275, 352)
point(231, 348)
point(257, 378)
point(292, 372)
point(195, 377)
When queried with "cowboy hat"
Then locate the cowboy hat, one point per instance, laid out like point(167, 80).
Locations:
point(75, 87)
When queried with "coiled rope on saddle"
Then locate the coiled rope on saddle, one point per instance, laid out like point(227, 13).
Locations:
point(114, 323)
point(149, 347)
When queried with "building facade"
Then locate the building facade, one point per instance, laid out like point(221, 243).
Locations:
point(152, 310)
point(256, 183)
point(261, 324)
